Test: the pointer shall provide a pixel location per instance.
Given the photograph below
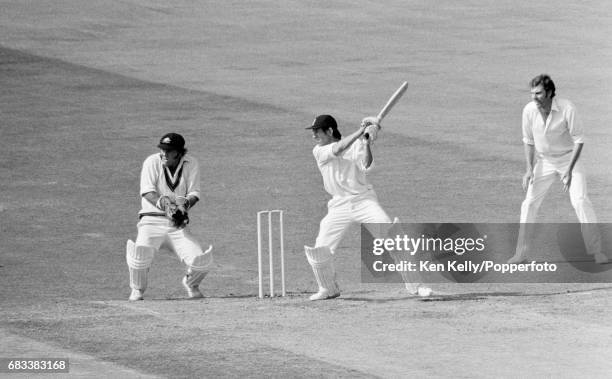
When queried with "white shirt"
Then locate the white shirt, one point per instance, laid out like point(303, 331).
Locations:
point(343, 175)
point(558, 134)
point(156, 178)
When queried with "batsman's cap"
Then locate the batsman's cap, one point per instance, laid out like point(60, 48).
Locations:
point(172, 141)
point(323, 121)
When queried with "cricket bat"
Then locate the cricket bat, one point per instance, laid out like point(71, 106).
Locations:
point(391, 102)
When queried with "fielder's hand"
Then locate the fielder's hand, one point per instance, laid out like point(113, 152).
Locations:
point(566, 179)
point(527, 180)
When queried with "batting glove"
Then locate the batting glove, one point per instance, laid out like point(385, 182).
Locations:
point(372, 132)
point(370, 120)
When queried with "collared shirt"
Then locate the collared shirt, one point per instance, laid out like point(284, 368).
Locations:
point(558, 134)
point(343, 175)
point(156, 178)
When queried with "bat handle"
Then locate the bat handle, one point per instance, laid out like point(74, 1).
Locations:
point(367, 135)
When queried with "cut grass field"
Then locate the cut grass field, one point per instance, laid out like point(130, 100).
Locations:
point(87, 94)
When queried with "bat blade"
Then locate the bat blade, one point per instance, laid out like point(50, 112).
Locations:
point(390, 103)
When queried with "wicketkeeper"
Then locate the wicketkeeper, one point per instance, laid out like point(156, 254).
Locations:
point(170, 187)
point(343, 163)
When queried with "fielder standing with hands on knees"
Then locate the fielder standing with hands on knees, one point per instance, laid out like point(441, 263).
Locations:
point(553, 138)
point(343, 163)
point(169, 188)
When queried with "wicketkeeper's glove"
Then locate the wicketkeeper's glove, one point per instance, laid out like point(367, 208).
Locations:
point(180, 217)
point(176, 213)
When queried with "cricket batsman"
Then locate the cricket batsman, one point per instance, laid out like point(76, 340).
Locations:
point(344, 163)
point(169, 188)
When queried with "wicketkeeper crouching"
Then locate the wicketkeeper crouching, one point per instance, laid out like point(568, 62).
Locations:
point(170, 187)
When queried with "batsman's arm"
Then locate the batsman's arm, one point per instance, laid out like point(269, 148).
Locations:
point(368, 158)
point(346, 142)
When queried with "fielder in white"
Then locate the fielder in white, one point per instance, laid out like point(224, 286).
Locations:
point(169, 186)
point(553, 138)
point(343, 163)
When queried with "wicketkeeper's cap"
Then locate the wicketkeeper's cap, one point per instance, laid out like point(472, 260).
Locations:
point(172, 141)
point(325, 122)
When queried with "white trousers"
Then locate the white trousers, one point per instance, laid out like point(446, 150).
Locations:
point(546, 172)
point(345, 211)
point(155, 231)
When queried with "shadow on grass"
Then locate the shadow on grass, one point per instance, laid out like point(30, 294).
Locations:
point(470, 296)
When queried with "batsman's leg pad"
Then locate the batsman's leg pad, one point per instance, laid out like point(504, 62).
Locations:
point(200, 262)
point(411, 280)
point(322, 262)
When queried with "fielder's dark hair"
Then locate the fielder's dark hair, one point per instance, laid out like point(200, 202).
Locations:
point(546, 82)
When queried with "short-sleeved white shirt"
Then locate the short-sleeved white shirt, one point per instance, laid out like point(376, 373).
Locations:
point(558, 134)
point(343, 175)
point(156, 178)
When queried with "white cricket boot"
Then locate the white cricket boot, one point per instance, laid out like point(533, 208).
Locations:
point(519, 257)
point(322, 262)
point(418, 290)
point(323, 294)
point(136, 295)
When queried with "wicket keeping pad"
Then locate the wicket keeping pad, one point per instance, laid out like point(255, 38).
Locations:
point(201, 262)
point(138, 256)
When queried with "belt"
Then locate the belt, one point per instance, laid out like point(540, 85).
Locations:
point(553, 155)
point(141, 215)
